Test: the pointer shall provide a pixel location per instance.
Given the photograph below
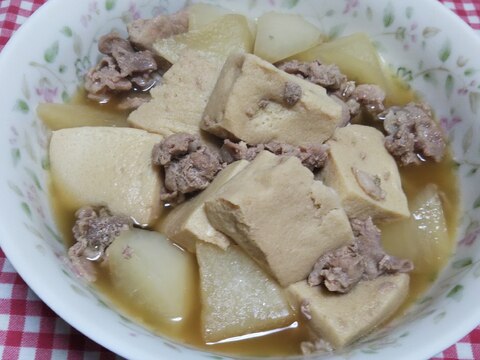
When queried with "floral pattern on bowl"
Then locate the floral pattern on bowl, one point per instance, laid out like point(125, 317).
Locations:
point(417, 48)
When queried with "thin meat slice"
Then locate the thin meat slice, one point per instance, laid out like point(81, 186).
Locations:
point(189, 166)
point(121, 70)
point(364, 259)
point(94, 230)
point(142, 33)
point(312, 156)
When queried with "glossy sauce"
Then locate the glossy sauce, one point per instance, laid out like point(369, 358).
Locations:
point(287, 341)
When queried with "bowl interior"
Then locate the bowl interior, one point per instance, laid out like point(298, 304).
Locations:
point(45, 62)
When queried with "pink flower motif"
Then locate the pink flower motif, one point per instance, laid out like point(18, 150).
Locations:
point(351, 4)
point(448, 124)
point(48, 94)
point(93, 7)
point(85, 19)
point(470, 238)
point(462, 91)
point(134, 13)
point(413, 26)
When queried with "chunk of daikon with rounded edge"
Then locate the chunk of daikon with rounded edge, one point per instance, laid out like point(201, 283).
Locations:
point(359, 60)
point(154, 273)
point(107, 166)
point(238, 298)
point(202, 14)
point(227, 34)
point(61, 116)
point(423, 238)
point(282, 35)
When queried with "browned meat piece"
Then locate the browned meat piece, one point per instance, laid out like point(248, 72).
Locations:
point(104, 79)
point(292, 93)
point(412, 134)
point(364, 259)
point(189, 166)
point(328, 76)
point(94, 231)
point(144, 32)
point(312, 156)
point(345, 92)
point(231, 151)
point(370, 96)
point(121, 70)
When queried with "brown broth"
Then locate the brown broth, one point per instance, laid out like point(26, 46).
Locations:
point(286, 341)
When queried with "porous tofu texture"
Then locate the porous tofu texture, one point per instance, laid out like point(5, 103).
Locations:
point(365, 175)
point(238, 297)
point(178, 102)
point(341, 319)
point(249, 103)
point(280, 216)
point(187, 223)
point(107, 166)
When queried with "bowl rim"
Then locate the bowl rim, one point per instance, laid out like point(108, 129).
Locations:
point(95, 331)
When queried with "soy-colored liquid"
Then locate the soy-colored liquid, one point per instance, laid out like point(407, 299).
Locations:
point(279, 342)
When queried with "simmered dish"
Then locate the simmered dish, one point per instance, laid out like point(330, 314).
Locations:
point(251, 187)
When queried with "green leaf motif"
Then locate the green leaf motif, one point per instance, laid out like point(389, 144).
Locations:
point(22, 106)
point(369, 13)
point(51, 53)
point(15, 189)
point(46, 163)
point(400, 33)
point(430, 31)
point(474, 100)
point(15, 156)
point(456, 293)
point(77, 45)
point(26, 209)
point(110, 4)
point(330, 12)
point(67, 31)
point(462, 263)
point(336, 31)
point(445, 51)
point(388, 15)
point(469, 72)
point(289, 4)
point(430, 77)
point(54, 234)
point(472, 172)
point(467, 139)
point(25, 89)
point(476, 203)
point(438, 317)
point(476, 272)
point(409, 12)
point(449, 82)
point(34, 178)
point(65, 97)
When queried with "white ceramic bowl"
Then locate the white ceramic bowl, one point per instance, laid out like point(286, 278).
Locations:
point(424, 43)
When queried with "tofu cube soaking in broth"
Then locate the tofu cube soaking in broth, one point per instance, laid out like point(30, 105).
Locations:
point(250, 187)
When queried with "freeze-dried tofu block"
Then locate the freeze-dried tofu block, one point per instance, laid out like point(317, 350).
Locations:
point(280, 216)
point(178, 102)
point(187, 223)
point(365, 175)
point(341, 319)
point(255, 102)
